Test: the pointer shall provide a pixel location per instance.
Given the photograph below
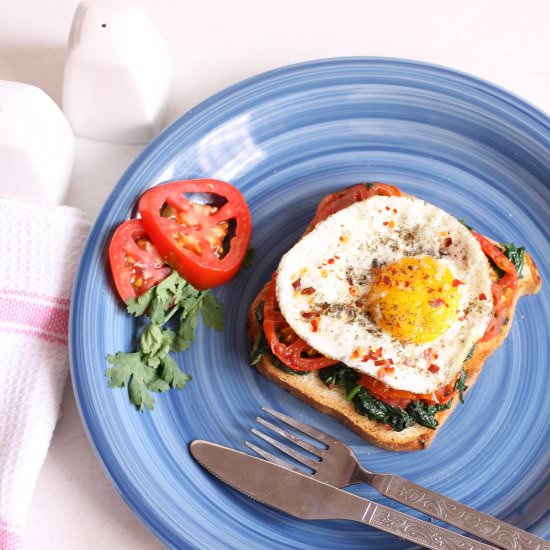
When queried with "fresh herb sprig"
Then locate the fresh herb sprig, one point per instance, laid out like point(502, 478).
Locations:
point(152, 368)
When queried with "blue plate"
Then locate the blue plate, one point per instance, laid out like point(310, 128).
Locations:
point(285, 138)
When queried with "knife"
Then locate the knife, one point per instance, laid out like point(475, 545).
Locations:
point(303, 497)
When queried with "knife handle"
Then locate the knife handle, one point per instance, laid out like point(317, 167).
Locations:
point(416, 530)
point(437, 506)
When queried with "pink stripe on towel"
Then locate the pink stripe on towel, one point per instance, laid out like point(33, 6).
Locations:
point(10, 536)
point(51, 319)
point(28, 294)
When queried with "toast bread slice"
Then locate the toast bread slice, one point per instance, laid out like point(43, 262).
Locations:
point(311, 389)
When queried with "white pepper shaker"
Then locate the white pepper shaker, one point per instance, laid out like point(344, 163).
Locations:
point(117, 73)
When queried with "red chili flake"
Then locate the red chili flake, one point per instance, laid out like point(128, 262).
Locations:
point(381, 372)
point(379, 352)
point(462, 318)
point(437, 302)
point(354, 354)
point(409, 362)
point(448, 241)
point(359, 303)
point(307, 291)
point(336, 257)
point(482, 296)
point(379, 362)
point(330, 261)
point(349, 281)
point(456, 282)
point(393, 271)
point(407, 284)
point(390, 361)
point(395, 210)
point(440, 289)
point(385, 223)
point(386, 280)
point(430, 290)
point(389, 370)
point(296, 284)
point(387, 207)
point(433, 368)
point(315, 325)
point(388, 427)
point(307, 314)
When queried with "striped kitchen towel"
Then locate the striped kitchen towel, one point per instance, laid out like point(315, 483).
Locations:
point(40, 246)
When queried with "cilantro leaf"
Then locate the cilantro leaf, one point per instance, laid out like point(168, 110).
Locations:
point(124, 365)
point(138, 306)
point(172, 374)
point(152, 369)
point(185, 335)
point(212, 311)
point(155, 343)
point(129, 370)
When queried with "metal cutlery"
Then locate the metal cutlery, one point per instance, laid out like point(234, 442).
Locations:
point(304, 497)
point(338, 466)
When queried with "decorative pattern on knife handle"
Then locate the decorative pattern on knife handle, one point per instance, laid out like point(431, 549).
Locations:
point(437, 506)
point(418, 531)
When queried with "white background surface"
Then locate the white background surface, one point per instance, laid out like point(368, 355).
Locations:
point(215, 43)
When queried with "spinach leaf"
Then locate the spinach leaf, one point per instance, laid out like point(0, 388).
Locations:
point(375, 409)
point(424, 414)
point(331, 376)
point(516, 255)
point(460, 385)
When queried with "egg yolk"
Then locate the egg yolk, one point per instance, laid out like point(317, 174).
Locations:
point(415, 299)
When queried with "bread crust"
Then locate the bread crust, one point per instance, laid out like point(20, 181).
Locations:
point(310, 388)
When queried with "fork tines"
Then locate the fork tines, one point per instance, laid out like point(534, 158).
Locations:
point(299, 457)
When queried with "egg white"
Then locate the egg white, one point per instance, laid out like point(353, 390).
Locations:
point(362, 239)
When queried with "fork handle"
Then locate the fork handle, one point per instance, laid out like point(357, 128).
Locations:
point(437, 506)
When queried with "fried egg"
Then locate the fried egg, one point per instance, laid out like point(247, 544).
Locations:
point(393, 287)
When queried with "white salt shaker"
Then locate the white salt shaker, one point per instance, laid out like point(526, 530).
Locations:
point(117, 73)
point(36, 145)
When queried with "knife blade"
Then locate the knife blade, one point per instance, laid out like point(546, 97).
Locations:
point(306, 498)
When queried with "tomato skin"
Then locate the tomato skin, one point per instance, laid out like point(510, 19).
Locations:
point(342, 199)
point(398, 398)
point(289, 353)
point(503, 289)
point(146, 260)
point(202, 269)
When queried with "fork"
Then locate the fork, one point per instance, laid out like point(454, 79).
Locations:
point(338, 466)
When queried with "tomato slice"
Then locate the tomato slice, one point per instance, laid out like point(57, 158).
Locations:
point(285, 344)
point(503, 289)
point(342, 199)
point(402, 398)
point(201, 227)
point(135, 262)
